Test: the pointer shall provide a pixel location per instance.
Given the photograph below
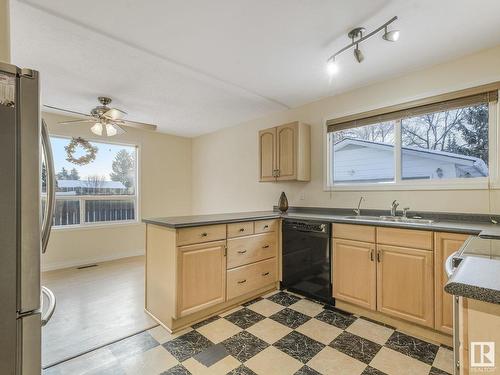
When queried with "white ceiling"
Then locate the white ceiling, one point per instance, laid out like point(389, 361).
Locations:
point(195, 66)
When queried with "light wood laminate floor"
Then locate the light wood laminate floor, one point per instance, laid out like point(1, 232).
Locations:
point(95, 306)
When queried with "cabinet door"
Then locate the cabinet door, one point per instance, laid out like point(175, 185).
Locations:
point(201, 278)
point(405, 283)
point(445, 245)
point(286, 147)
point(354, 272)
point(267, 154)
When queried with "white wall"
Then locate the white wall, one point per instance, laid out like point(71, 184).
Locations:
point(225, 163)
point(164, 190)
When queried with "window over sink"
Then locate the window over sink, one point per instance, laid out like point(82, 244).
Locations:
point(444, 144)
point(103, 191)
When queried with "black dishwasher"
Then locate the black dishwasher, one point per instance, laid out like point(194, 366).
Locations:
point(306, 259)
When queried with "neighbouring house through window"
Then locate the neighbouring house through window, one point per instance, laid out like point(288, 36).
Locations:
point(103, 191)
point(447, 141)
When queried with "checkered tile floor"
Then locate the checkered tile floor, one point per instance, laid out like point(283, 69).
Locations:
point(279, 334)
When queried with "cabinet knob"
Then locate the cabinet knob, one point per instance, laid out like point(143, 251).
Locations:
point(242, 281)
point(204, 234)
point(265, 246)
point(266, 226)
point(242, 229)
point(242, 251)
point(265, 274)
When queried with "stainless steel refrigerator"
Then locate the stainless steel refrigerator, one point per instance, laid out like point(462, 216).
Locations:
point(24, 228)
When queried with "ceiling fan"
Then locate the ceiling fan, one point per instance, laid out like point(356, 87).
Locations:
point(106, 121)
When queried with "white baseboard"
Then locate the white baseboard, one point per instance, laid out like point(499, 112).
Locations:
point(51, 266)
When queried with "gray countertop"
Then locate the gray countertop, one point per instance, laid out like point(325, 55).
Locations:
point(478, 274)
point(477, 278)
point(473, 228)
point(196, 220)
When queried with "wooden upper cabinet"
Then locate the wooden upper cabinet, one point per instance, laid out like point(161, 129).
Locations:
point(286, 136)
point(405, 280)
point(267, 150)
point(445, 245)
point(354, 272)
point(285, 153)
point(201, 280)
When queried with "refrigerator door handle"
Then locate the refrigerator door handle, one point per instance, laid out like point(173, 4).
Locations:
point(51, 187)
point(52, 305)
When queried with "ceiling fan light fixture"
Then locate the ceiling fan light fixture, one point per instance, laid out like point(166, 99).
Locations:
point(111, 130)
point(391, 36)
point(97, 128)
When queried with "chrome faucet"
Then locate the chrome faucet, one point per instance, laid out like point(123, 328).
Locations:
point(394, 207)
point(405, 212)
point(357, 211)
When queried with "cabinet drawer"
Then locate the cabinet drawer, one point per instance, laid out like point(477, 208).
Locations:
point(263, 226)
point(239, 229)
point(245, 279)
point(206, 233)
point(353, 232)
point(241, 251)
point(417, 239)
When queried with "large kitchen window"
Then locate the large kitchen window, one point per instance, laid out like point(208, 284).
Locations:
point(443, 144)
point(102, 191)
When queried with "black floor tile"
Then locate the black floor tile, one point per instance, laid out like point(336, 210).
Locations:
point(244, 346)
point(372, 371)
point(290, 318)
point(177, 370)
point(357, 347)
point(242, 370)
point(212, 355)
point(436, 371)
point(413, 347)
point(284, 298)
point(187, 345)
point(299, 346)
point(244, 318)
point(336, 318)
point(306, 370)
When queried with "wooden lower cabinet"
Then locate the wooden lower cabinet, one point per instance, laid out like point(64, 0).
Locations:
point(405, 283)
point(445, 245)
point(479, 327)
point(251, 277)
point(201, 278)
point(354, 272)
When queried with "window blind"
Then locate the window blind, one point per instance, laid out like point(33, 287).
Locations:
point(437, 103)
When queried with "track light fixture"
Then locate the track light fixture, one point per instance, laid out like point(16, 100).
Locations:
point(356, 36)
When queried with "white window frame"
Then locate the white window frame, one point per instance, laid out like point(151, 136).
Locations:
point(479, 183)
point(83, 198)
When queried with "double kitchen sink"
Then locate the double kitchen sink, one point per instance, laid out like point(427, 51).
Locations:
point(394, 219)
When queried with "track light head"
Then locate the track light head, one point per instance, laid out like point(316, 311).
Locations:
point(391, 36)
point(332, 67)
point(358, 54)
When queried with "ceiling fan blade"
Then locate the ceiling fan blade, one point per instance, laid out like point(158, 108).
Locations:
point(136, 124)
point(75, 122)
point(66, 110)
point(114, 114)
point(119, 128)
